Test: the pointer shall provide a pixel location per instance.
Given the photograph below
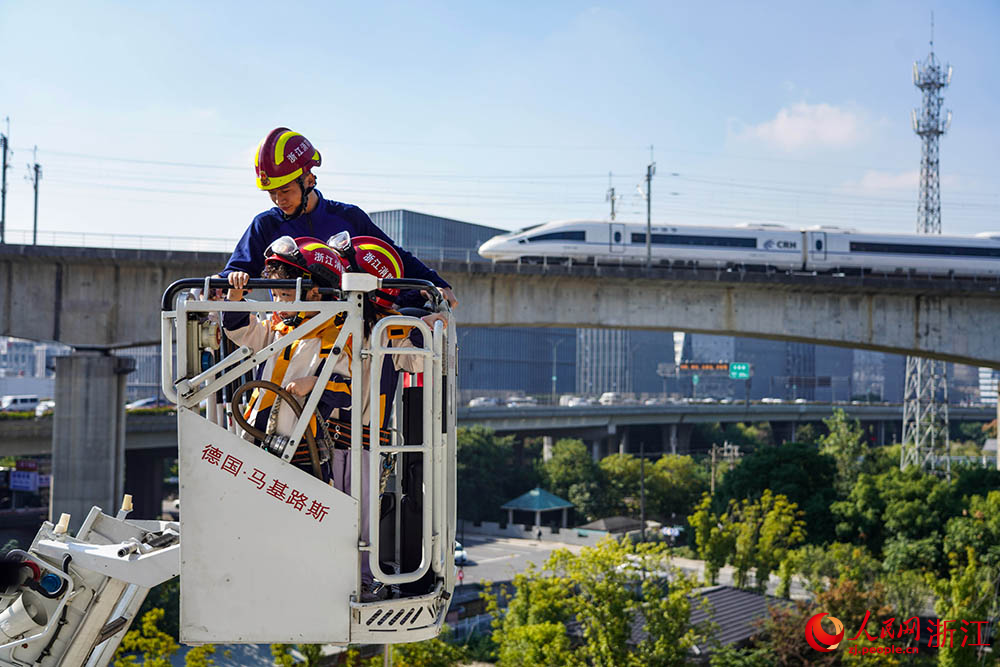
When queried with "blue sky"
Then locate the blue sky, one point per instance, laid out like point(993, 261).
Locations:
point(146, 115)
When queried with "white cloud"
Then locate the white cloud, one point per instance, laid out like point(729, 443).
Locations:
point(804, 126)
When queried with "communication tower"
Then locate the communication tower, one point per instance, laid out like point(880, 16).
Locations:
point(925, 401)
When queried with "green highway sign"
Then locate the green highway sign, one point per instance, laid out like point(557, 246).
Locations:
point(694, 379)
point(739, 370)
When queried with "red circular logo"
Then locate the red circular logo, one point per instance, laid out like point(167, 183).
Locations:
point(817, 636)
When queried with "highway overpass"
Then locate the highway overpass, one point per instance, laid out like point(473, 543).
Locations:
point(158, 432)
point(152, 438)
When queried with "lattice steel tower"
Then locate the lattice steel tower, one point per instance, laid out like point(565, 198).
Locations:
point(925, 401)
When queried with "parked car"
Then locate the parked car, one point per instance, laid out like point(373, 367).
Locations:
point(461, 558)
point(151, 402)
point(44, 407)
point(483, 401)
point(521, 401)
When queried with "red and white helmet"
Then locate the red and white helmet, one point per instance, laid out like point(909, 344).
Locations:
point(318, 261)
point(375, 256)
point(282, 157)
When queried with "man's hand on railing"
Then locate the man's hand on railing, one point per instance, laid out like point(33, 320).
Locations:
point(446, 292)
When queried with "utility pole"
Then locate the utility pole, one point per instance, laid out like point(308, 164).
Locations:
point(925, 400)
point(650, 170)
point(4, 143)
point(715, 449)
point(611, 197)
point(642, 488)
point(35, 175)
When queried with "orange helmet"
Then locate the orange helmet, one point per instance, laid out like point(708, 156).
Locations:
point(282, 157)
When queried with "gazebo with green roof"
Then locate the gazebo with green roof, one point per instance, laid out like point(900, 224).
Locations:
point(537, 500)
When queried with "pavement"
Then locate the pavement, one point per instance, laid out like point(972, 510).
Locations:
point(500, 558)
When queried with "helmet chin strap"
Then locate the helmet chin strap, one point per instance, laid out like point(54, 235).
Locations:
point(293, 320)
point(301, 180)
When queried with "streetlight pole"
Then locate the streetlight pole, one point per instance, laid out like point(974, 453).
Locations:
point(555, 346)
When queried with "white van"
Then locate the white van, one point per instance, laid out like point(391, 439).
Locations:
point(611, 398)
point(23, 403)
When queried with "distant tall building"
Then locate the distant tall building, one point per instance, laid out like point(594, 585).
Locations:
point(988, 386)
point(504, 360)
point(603, 360)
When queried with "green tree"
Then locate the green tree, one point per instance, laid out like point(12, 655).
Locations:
point(282, 654)
point(899, 514)
point(535, 645)
point(620, 473)
point(714, 538)
point(967, 594)
point(978, 529)
point(765, 530)
point(489, 473)
point(166, 596)
point(572, 474)
point(674, 485)
point(823, 566)
point(604, 591)
point(154, 645)
point(844, 442)
point(200, 656)
point(436, 652)
point(794, 470)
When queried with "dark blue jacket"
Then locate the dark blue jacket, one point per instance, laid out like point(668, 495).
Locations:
point(328, 218)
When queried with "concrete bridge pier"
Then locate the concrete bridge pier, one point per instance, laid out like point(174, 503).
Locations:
point(88, 434)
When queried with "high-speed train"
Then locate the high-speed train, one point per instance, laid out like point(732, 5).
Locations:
point(823, 249)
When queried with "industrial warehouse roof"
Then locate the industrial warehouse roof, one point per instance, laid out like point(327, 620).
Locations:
point(536, 500)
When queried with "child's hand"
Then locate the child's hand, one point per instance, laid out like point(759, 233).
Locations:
point(238, 279)
point(235, 295)
point(300, 387)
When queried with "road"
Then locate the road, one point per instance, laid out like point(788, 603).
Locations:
point(499, 559)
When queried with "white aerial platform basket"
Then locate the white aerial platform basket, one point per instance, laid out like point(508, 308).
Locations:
point(269, 553)
point(272, 554)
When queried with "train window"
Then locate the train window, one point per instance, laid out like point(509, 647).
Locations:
point(618, 237)
point(685, 239)
point(560, 236)
point(930, 249)
point(819, 244)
